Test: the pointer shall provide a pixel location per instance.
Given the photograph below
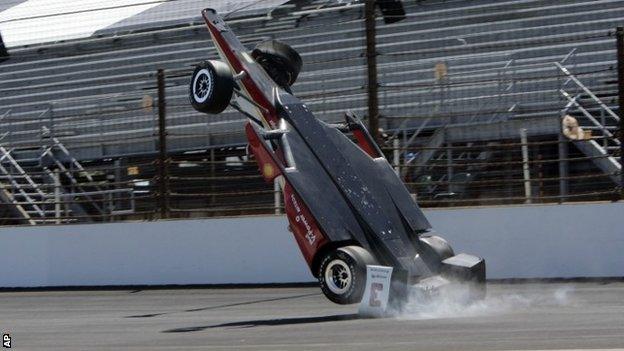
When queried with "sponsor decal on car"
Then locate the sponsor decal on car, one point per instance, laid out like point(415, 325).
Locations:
point(300, 218)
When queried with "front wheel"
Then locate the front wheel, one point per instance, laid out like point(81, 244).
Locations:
point(211, 87)
point(342, 274)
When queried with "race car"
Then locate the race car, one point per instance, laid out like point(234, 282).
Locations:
point(346, 206)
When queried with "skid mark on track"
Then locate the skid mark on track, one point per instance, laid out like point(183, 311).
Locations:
point(224, 305)
point(252, 302)
point(269, 322)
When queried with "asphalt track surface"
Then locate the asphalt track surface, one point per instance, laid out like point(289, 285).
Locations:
point(514, 317)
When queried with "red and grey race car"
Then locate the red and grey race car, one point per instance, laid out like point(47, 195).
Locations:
point(346, 206)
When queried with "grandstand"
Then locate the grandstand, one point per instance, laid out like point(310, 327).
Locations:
point(458, 81)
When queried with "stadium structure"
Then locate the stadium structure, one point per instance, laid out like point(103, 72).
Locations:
point(228, 174)
point(480, 102)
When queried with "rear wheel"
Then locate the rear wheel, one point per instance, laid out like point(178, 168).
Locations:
point(342, 274)
point(281, 62)
point(211, 87)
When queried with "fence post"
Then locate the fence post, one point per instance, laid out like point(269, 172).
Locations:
point(57, 196)
point(619, 34)
point(277, 196)
point(162, 147)
point(525, 165)
point(449, 167)
point(213, 172)
point(563, 168)
point(371, 62)
point(396, 152)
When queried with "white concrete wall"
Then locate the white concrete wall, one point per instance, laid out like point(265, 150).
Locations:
point(215, 251)
point(581, 240)
point(541, 241)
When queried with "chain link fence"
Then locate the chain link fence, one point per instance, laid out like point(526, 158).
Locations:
point(476, 107)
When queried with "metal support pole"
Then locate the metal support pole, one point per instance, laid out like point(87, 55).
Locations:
point(109, 208)
point(449, 166)
point(619, 34)
point(563, 168)
point(57, 196)
point(371, 62)
point(603, 122)
point(525, 165)
point(213, 173)
point(396, 155)
point(162, 147)
point(277, 195)
point(540, 176)
point(101, 117)
point(118, 180)
point(118, 176)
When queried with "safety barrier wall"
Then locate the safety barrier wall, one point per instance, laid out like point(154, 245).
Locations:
point(538, 241)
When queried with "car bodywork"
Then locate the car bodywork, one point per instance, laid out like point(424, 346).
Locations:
point(336, 191)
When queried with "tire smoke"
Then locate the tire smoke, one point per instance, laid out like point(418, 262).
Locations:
point(453, 302)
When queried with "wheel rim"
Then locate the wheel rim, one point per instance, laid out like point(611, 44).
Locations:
point(338, 277)
point(202, 85)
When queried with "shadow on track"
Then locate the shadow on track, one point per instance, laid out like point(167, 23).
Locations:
point(269, 322)
point(224, 306)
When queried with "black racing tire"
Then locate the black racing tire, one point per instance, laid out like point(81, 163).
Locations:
point(281, 62)
point(440, 246)
point(342, 274)
point(211, 87)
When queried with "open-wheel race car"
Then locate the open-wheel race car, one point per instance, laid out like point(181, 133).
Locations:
point(346, 206)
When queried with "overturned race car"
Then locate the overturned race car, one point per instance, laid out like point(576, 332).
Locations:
point(348, 210)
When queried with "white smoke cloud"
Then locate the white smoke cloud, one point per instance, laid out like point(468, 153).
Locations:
point(451, 302)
